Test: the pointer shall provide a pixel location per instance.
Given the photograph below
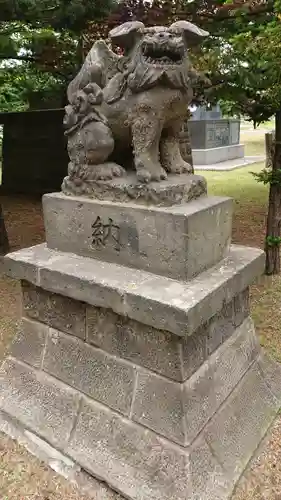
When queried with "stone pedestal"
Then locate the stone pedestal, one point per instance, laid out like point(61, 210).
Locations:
point(136, 360)
point(212, 156)
point(215, 140)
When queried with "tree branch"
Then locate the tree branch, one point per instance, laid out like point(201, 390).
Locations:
point(19, 58)
point(219, 17)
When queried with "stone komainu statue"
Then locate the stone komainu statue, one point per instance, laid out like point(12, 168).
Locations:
point(126, 112)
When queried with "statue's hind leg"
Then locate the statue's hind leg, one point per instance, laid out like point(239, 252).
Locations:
point(89, 150)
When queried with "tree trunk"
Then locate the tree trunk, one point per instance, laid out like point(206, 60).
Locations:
point(269, 148)
point(80, 51)
point(272, 249)
point(4, 242)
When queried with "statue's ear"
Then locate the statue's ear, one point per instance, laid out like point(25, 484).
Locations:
point(192, 34)
point(125, 35)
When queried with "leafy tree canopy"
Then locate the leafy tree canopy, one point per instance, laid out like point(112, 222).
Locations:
point(50, 38)
point(244, 60)
point(41, 46)
point(71, 15)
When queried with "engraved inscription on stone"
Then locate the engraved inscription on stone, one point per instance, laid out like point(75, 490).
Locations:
point(218, 135)
point(103, 233)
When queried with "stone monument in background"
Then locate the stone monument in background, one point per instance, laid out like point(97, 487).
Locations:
point(214, 139)
point(136, 363)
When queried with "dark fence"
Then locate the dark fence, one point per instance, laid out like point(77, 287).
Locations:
point(34, 152)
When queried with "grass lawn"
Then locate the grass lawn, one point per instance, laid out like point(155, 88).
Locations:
point(254, 142)
point(250, 210)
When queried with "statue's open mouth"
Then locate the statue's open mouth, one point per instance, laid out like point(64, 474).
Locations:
point(161, 55)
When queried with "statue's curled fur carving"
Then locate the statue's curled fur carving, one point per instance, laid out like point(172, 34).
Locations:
point(130, 109)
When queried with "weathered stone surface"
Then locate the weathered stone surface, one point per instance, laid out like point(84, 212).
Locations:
point(241, 307)
point(194, 351)
point(208, 337)
point(208, 480)
point(203, 474)
point(183, 307)
point(157, 301)
point(221, 326)
point(19, 268)
point(129, 458)
point(28, 345)
point(206, 390)
point(158, 405)
point(59, 462)
point(38, 402)
point(178, 242)
point(157, 350)
point(90, 370)
point(132, 107)
point(55, 310)
point(239, 426)
point(270, 370)
point(172, 191)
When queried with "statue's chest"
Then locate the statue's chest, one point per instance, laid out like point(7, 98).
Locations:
point(163, 102)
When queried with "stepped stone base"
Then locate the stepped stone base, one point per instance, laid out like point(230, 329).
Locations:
point(136, 363)
point(156, 388)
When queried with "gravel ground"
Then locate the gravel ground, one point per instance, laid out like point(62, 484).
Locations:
point(262, 480)
point(23, 477)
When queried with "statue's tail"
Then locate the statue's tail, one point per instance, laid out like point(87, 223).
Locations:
point(94, 69)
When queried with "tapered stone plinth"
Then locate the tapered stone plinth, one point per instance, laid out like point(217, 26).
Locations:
point(136, 361)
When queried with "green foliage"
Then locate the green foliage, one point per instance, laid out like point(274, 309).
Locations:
point(40, 48)
point(242, 55)
point(273, 241)
point(24, 87)
point(269, 176)
point(11, 99)
point(71, 15)
point(248, 63)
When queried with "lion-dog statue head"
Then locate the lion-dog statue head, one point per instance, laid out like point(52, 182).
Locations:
point(157, 54)
point(152, 56)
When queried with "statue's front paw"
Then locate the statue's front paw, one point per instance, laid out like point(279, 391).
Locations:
point(148, 171)
point(181, 167)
